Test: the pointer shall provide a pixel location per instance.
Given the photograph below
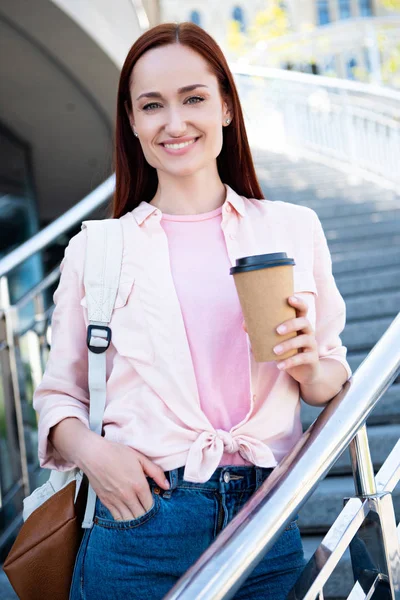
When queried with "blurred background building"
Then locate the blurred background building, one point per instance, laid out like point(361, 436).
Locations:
point(58, 92)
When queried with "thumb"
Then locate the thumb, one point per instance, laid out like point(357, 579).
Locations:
point(155, 472)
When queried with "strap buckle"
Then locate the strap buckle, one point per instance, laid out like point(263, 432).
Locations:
point(98, 349)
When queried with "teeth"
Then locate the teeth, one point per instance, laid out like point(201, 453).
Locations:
point(176, 146)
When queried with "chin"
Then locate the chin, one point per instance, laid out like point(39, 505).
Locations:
point(183, 171)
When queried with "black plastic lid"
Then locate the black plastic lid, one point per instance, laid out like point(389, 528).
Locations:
point(261, 261)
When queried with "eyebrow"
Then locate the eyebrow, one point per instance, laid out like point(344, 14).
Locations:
point(186, 88)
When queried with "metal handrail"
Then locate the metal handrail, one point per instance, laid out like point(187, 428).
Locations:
point(69, 219)
point(242, 544)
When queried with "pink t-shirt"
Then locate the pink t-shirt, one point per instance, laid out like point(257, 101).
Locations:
point(213, 318)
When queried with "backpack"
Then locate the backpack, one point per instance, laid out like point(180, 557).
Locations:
point(101, 280)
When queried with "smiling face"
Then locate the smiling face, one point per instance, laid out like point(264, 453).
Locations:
point(176, 100)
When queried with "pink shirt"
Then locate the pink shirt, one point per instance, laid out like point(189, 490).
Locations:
point(213, 318)
point(153, 397)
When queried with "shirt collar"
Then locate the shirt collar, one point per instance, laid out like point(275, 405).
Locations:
point(145, 209)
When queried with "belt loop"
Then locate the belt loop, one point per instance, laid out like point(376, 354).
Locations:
point(173, 481)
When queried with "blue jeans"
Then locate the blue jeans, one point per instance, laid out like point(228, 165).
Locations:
point(144, 557)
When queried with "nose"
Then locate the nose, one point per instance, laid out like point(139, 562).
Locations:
point(176, 125)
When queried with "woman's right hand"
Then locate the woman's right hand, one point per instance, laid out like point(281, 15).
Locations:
point(117, 474)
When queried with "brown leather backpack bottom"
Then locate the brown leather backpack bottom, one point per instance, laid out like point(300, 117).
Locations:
point(41, 561)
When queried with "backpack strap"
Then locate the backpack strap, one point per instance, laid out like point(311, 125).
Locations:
point(101, 280)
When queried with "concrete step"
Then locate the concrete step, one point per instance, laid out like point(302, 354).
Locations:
point(382, 242)
point(362, 335)
point(365, 261)
point(283, 178)
point(324, 195)
point(382, 439)
point(370, 231)
point(370, 216)
point(386, 412)
point(368, 283)
point(322, 508)
point(349, 209)
point(373, 306)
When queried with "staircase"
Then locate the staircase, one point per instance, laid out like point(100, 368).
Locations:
point(362, 225)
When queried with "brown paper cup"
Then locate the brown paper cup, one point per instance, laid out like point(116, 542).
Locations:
point(263, 295)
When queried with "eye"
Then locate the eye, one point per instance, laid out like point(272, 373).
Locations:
point(148, 107)
point(196, 98)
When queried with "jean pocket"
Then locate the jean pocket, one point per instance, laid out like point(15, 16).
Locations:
point(105, 519)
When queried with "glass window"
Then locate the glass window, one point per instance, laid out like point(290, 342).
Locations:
point(344, 9)
point(365, 8)
point(237, 15)
point(367, 59)
point(350, 66)
point(195, 17)
point(323, 12)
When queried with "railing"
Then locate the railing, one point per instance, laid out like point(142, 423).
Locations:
point(352, 126)
point(23, 355)
point(62, 225)
point(367, 521)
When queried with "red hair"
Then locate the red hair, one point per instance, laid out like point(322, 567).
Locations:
point(136, 180)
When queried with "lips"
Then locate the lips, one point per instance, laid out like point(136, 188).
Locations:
point(181, 141)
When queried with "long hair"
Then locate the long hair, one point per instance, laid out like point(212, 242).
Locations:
point(136, 180)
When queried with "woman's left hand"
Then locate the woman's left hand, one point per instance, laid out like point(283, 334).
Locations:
point(304, 367)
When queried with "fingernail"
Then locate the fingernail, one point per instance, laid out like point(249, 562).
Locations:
point(294, 299)
point(281, 329)
point(278, 349)
point(166, 482)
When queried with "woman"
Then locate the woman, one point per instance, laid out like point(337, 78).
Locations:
point(193, 425)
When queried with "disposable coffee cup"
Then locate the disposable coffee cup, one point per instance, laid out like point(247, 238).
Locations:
point(264, 283)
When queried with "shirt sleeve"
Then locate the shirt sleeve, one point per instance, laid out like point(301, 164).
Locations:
point(63, 391)
point(330, 305)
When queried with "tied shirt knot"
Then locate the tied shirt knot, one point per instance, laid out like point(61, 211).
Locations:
point(231, 444)
point(206, 452)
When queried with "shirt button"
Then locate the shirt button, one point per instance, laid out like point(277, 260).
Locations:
point(254, 397)
point(227, 477)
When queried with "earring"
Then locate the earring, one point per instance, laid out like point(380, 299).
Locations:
point(227, 121)
point(136, 133)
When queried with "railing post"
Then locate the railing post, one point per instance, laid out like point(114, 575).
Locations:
point(361, 463)
point(13, 379)
point(374, 549)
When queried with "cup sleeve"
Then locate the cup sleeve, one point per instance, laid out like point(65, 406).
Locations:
point(330, 305)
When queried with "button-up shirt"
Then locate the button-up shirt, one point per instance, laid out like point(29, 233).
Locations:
point(153, 402)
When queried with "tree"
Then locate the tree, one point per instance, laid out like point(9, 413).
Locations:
point(391, 4)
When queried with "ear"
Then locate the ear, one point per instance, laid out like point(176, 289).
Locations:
point(130, 116)
point(227, 111)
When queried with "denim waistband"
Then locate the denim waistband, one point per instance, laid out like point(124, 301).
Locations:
point(229, 478)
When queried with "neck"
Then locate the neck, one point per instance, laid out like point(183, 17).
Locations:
point(198, 193)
